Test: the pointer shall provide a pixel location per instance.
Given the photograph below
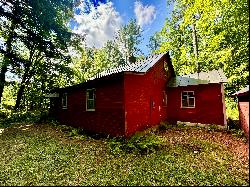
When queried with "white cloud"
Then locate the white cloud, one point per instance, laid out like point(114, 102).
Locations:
point(100, 24)
point(144, 14)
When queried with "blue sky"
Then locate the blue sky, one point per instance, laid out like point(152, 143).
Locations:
point(99, 19)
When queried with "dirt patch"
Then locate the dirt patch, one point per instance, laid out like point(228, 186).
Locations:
point(237, 146)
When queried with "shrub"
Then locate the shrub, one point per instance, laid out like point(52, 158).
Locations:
point(233, 124)
point(238, 133)
point(165, 125)
point(138, 143)
point(4, 113)
point(12, 117)
point(116, 145)
point(214, 127)
point(70, 131)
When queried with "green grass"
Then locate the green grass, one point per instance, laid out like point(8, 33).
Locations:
point(58, 155)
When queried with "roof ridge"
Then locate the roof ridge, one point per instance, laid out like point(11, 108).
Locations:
point(141, 65)
point(203, 72)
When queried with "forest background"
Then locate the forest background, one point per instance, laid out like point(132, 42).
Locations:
point(42, 54)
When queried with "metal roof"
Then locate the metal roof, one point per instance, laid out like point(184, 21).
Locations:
point(242, 91)
point(138, 67)
point(214, 76)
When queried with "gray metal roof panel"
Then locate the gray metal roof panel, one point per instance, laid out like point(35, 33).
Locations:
point(185, 81)
point(151, 62)
point(243, 90)
point(214, 76)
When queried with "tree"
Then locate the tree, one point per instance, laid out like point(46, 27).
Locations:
point(212, 33)
point(47, 76)
point(93, 61)
point(114, 55)
point(154, 42)
point(128, 38)
point(30, 37)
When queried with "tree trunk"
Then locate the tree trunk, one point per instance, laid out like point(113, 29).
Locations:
point(2, 80)
point(6, 60)
point(25, 80)
point(194, 40)
point(195, 45)
point(19, 96)
point(28, 73)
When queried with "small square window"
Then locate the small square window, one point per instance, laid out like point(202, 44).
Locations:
point(90, 100)
point(187, 99)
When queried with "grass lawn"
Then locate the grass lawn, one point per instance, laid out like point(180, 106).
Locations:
point(42, 154)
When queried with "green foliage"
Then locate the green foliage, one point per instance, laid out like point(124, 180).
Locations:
point(139, 143)
point(10, 118)
point(92, 61)
point(232, 108)
point(87, 62)
point(165, 125)
point(128, 39)
point(154, 42)
point(73, 132)
point(35, 45)
point(223, 39)
point(213, 128)
point(239, 133)
point(9, 95)
point(113, 53)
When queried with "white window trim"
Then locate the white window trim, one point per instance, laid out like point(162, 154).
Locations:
point(91, 99)
point(188, 106)
point(66, 101)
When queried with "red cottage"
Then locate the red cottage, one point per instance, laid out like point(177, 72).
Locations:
point(198, 98)
point(130, 98)
point(243, 107)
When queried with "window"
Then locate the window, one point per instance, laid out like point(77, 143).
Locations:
point(90, 100)
point(64, 101)
point(166, 68)
point(164, 98)
point(187, 99)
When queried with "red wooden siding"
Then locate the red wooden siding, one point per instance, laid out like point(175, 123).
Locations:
point(140, 91)
point(243, 107)
point(128, 102)
point(108, 117)
point(208, 105)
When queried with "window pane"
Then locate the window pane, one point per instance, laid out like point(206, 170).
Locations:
point(184, 93)
point(90, 104)
point(90, 94)
point(184, 97)
point(90, 99)
point(191, 94)
point(191, 102)
point(184, 103)
point(64, 100)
